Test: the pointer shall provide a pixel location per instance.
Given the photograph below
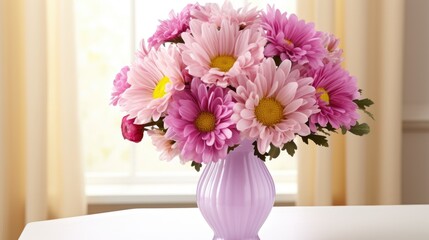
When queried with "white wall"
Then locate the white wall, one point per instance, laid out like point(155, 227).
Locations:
point(415, 146)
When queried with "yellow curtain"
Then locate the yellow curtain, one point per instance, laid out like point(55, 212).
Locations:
point(360, 170)
point(41, 173)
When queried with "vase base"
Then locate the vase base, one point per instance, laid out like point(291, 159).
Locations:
point(246, 238)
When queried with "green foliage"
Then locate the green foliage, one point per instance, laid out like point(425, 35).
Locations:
point(363, 104)
point(360, 129)
point(257, 153)
point(196, 165)
point(317, 139)
point(274, 151)
point(290, 147)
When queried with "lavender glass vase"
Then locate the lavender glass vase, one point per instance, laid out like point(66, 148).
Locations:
point(235, 195)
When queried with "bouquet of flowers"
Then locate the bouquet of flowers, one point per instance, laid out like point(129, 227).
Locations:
point(212, 75)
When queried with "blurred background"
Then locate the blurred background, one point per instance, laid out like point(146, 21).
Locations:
point(61, 149)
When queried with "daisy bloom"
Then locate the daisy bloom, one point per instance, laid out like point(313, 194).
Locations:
point(153, 80)
point(167, 147)
point(275, 106)
point(120, 84)
point(292, 39)
point(333, 52)
point(335, 91)
point(213, 13)
point(219, 55)
point(170, 30)
point(199, 120)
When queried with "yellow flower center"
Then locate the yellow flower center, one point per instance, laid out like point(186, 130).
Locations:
point(159, 90)
point(288, 42)
point(205, 122)
point(324, 96)
point(223, 62)
point(269, 111)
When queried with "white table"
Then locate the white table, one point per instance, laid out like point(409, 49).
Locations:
point(294, 223)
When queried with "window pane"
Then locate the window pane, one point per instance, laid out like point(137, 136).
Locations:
point(104, 46)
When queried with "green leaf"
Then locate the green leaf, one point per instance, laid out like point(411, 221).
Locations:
point(363, 104)
point(231, 148)
point(317, 139)
point(274, 151)
point(290, 147)
point(257, 153)
point(343, 130)
point(277, 60)
point(360, 129)
point(196, 165)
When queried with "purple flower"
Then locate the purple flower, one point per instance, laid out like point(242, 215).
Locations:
point(120, 84)
point(170, 30)
point(131, 131)
point(292, 39)
point(199, 120)
point(335, 92)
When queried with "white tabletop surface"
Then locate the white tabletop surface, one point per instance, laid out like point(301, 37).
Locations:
point(295, 223)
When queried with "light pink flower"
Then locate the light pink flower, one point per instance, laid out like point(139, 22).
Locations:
point(335, 91)
point(292, 39)
point(153, 80)
point(167, 147)
point(199, 120)
point(130, 130)
point(275, 106)
point(218, 56)
point(333, 52)
point(213, 13)
point(120, 84)
point(171, 29)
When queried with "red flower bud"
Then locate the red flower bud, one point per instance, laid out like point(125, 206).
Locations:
point(131, 131)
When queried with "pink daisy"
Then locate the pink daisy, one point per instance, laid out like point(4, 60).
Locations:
point(218, 56)
point(167, 147)
point(275, 106)
point(333, 52)
point(292, 39)
point(335, 91)
point(120, 84)
point(153, 80)
point(213, 13)
point(170, 30)
point(199, 120)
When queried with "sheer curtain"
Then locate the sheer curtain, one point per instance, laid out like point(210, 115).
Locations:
point(360, 170)
point(40, 175)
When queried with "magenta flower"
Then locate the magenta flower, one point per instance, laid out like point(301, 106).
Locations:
point(120, 84)
point(335, 91)
point(170, 30)
point(199, 120)
point(131, 131)
point(274, 106)
point(292, 39)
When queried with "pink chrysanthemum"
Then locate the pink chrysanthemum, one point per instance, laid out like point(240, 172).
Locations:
point(120, 84)
point(199, 120)
point(292, 39)
point(170, 30)
point(218, 56)
point(167, 147)
point(153, 79)
point(335, 91)
point(333, 52)
point(213, 13)
point(274, 106)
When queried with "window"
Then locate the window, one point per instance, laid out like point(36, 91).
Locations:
point(117, 171)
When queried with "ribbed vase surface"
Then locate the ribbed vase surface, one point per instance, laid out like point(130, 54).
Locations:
point(235, 195)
